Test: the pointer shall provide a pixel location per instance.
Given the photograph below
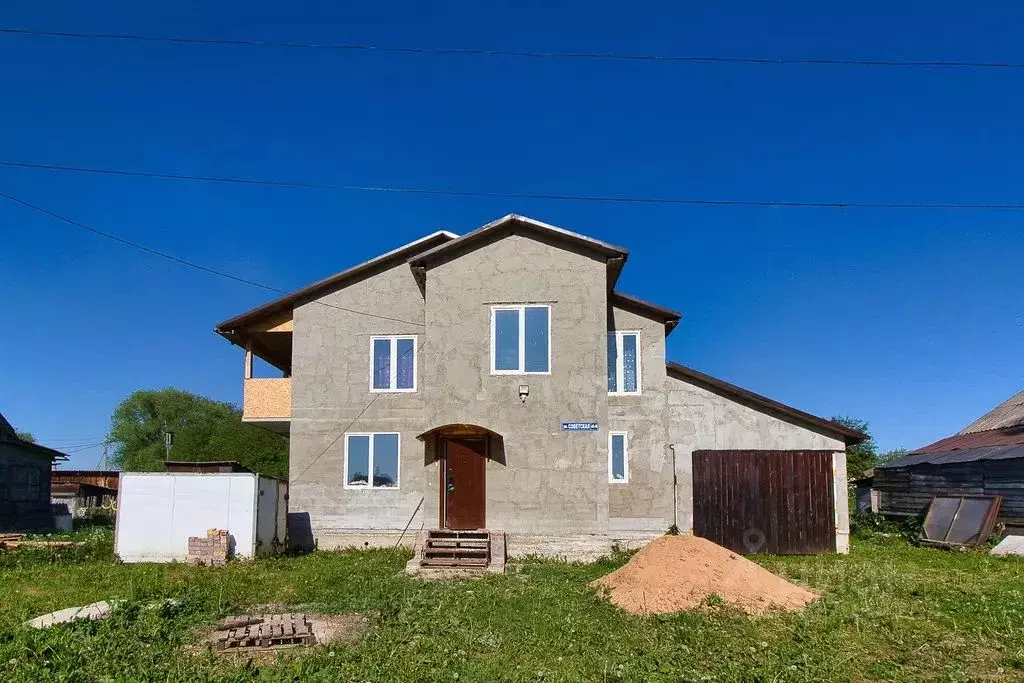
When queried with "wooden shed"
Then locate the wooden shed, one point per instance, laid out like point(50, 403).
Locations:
point(985, 458)
point(24, 482)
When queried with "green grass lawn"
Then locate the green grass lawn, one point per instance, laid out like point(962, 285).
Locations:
point(890, 611)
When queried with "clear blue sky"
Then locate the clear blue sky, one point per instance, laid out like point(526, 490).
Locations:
point(909, 319)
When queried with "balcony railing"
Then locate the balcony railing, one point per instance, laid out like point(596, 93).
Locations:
point(267, 398)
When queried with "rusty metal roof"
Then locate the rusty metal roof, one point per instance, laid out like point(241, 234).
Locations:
point(1009, 413)
point(961, 455)
point(992, 437)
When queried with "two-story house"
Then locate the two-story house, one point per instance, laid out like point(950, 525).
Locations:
point(498, 380)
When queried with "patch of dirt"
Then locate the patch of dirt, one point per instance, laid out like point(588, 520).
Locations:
point(675, 573)
point(338, 629)
point(329, 629)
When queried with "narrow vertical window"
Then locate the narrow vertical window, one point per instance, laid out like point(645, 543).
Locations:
point(521, 340)
point(629, 363)
point(385, 460)
point(357, 460)
point(506, 340)
point(536, 335)
point(406, 348)
point(623, 363)
point(613, 363)
point(618, 458)
point(381, 363)
point(393, 363)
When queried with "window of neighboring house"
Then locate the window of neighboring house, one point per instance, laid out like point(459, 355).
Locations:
point(393, 363)
point(618, 458)
point(520, 340)
point(371, 460)
point(623, 362)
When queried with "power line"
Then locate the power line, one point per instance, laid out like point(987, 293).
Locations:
point(354, 420)
point(619, 56)
point(610, 199)
point(184, 262)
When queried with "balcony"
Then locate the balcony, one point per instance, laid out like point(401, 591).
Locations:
point(267, 401)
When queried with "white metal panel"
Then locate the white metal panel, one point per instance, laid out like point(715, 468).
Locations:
point(158, 512)
point(145, 504)
point(241, 513)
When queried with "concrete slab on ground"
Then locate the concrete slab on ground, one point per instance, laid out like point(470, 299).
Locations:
point(1011, 545)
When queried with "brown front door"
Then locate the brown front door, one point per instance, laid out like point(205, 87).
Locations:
point(463, 484)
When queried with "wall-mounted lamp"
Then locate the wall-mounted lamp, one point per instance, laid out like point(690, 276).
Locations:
point(524, 391)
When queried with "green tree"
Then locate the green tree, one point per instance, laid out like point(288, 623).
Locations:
point(894, 454)
point(861, 456)
point(203, 430)
point(26, 436)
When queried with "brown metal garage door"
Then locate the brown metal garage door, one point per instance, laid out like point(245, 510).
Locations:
point(765, 501)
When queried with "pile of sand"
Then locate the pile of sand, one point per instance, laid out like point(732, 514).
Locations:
point(676, 573)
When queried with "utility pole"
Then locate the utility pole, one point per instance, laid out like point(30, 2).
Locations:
point(103, 461)
point(168, 442)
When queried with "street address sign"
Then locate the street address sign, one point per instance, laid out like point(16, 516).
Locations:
point(579, 426)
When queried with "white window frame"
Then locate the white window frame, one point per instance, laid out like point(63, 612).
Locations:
point(369, 484)
point(521, 370)
point(625, 457)
point(620, 369)
point(393, 338)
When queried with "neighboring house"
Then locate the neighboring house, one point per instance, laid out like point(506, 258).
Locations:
point(499, 380)
point(83, 491)
point(984, 458)
point(24, 482)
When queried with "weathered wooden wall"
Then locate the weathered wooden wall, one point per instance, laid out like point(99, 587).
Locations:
point(24, 490)
point(106, 479)
point(765, 501)
point(907, 491)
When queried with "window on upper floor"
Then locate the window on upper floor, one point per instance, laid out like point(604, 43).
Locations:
point(393, 363)
point(521, 340)
point(618, 458)
point(371, 460)
point(623, 362)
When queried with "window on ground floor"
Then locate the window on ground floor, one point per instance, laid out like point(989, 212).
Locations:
point(371, 460)
point(623, 363)
point(393, 363)
point(618, 457)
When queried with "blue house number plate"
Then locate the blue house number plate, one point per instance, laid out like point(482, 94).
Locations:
point(579, 426)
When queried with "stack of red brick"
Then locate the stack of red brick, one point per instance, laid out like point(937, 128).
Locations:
point(211, 551)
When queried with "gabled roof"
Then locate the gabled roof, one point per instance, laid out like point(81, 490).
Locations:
point(317, 289)
point(764, 404)
point(516, 224)
point(9, 436)
point(1009, 413)
point(647, 309)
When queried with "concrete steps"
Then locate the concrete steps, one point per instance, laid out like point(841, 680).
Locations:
point(442, 553)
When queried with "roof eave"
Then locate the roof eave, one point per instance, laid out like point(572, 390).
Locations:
point(610, 251)
point(289, 301)
point(849, 436)
point(647, 309)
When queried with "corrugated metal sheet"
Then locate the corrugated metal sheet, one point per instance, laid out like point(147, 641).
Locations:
point(958, 456)
point(1009, 413)
point(994, 437)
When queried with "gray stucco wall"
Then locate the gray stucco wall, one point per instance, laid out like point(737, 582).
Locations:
point(548, 488)
point(645, 502)
point(550, 481)
point(331, 396)
point(697, 419)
